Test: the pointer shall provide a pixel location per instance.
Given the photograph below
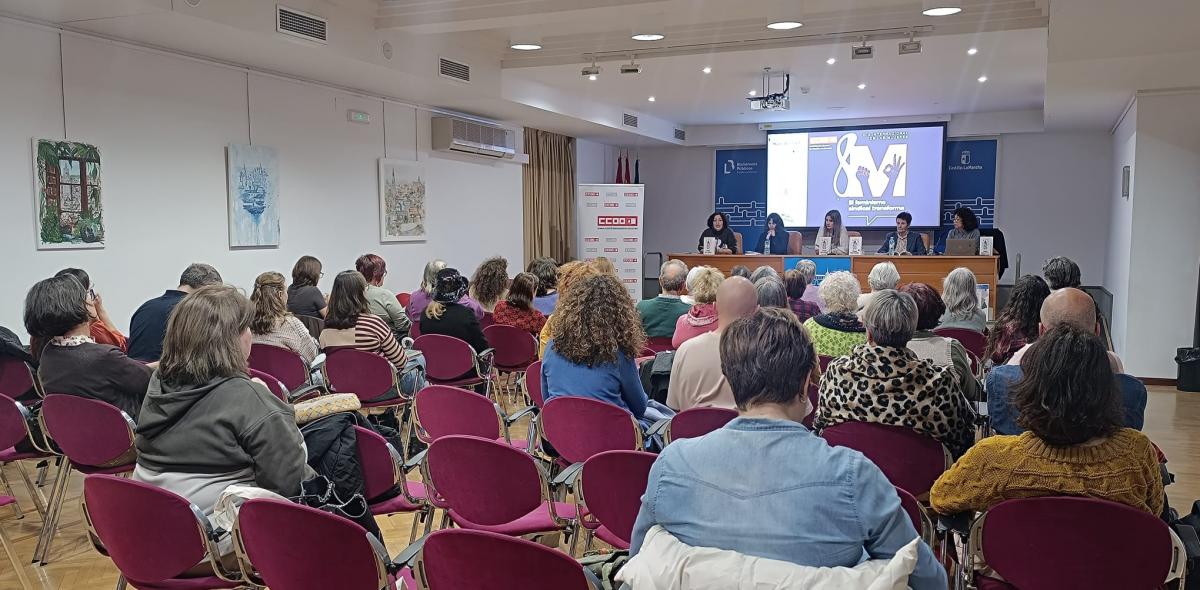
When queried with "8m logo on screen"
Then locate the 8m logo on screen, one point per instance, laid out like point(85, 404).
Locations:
point(617, 221)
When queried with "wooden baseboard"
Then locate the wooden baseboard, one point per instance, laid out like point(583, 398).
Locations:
point(1157, 381)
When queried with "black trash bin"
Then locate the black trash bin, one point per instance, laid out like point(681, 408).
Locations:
point(1189, 369)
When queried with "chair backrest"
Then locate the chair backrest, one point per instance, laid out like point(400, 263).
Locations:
point(814, 398)
point(478, 560)
point(13, 428)
point(910, 460)
point(695, 422)
point(925, 239)
point(659, 344)
point(533, 384)
point(580, 427)
point(365, 374)
point(484, 481)
point(443, 410)
point(16, 377)
point(314, 325)
point(284, 363)
point(824, 362)
point(377, 462)
point(446, 357)
point(151, 534)
point(404, 298)
point(612, 484)
point(296, 547)
point(1059, 542)
point(853, 234)
point(488, 320)
point(916, 513)
point(89, 432)
point(971, 340)
point(278, 389)
point(515, 348)
point(795, 243)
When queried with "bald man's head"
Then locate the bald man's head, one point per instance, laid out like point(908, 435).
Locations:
point(1069, 306)
point(736, 299)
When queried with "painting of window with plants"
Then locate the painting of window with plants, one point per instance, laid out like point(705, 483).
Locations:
point(401, 201)
point(253, 196)
point(67, 185)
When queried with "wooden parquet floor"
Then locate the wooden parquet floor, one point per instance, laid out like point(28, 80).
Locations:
point(1172, 421)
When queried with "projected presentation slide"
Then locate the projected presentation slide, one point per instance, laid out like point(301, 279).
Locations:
point(868, 174)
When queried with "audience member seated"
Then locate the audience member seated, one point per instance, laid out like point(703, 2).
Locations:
point(883, 275)
point(1062, 273)
point(1075, 445)
point(304, 297)
point(1017, 323)
point(812, 293)
point(1069, 307)
point(702, 317)
point(886, 383)
point(273, 324)
point(966, 227)
point(102, 330)
point(382, 302)
point(796, 286)
point(206, 425)
point(659, 315)
point(547, 272)
point(603, 265)
point(350, 324)
point(71, 362)
point(763, 271)
point(517, 309)
point(449, 316)
point(700, 492)
point(490, 282)
point(149, 322)
point(941, 351)
point(11, 347)
point(596, 337)
point(771, 292)
point(838, 330)
point(689, 283)
point(962, 302)
point(570, 273)
point(740, 270)
point(696, 377)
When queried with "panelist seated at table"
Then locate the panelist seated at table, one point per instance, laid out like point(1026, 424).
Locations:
point(966, 227)
point(903, 241)
point(839, 242)
point(718, 227)
point(773, 240)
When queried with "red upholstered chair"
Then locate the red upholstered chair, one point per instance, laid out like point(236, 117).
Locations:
point(14, 428)
point(697, 422)
point(973, 341)
point(910, 460)
point(16, 378)
point(447, 359)
point(659, 344)
point(365, 374)
point(441, 410)
point(287, 366)
point(514, 349)
point(920, 518)
point(95, 438)
point(278, 389)
point(404, 298)
point(383, 472)
point(795, 243)
point(479, 560)
point(580, 427)
point(611, 485)
point(814, 391)
point(152, 535)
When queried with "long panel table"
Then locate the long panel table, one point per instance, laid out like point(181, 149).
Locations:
point(913, 269)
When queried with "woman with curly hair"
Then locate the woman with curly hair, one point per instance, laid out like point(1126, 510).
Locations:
point(490, 283)
point(595, 338)
point(1017, 324)
point(570, 273)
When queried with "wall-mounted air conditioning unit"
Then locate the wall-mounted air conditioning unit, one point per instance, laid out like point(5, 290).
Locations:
point(451, 134)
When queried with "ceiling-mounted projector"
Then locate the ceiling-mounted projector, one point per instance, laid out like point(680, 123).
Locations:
point(777, 101)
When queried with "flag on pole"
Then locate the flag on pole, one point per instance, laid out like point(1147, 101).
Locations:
point(628, 177)
point(618, 179)
point(637, 171)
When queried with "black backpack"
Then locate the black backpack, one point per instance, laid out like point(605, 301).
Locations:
point(656, 375)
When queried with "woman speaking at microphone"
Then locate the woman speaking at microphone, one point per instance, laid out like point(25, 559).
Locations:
point(718, 228)
point(774, 239)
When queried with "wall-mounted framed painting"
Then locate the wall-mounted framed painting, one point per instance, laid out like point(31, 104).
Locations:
point(68, 209)
point(253, 196)
point(401, 201)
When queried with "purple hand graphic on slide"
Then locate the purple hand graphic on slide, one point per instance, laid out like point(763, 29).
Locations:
point(892, 171)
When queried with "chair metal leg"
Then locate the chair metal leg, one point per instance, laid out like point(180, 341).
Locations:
point(587, 544)
point(429, 511)
point(574, 533)
point(412, 534)
point(12, 558)
point(50, 525)
point(445, 520)
point(39, 500)
point(9, 491)
point(120, 583)
point(44, 467)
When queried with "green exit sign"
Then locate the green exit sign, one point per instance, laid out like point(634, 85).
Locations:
point(358, 116)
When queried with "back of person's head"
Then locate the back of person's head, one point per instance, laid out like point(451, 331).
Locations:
point(796, 283)
point(1068, 306)
point(1061, 272)
point(206, 337)
point(372, 267)
point(79, 274)
point(604, 265)
point(763, 271)
point(1024, 306)
point(883, 276)
point(571, 273)
point(771, 292)
point(736, 298)
point(547, 272)
point(840, 291)
point(490, 281)
point(1068, 394)
point(55, 306)
point(198, 275)
point(449, 287)
point(740, 271)
point(691, 276)
point(704, 285)
point(429, 275)
point(347, 300)
point(306, 272)
point(969, 221)
point(890, 318)
point(807, 268)
point(930, 306)
point(594, 319)
point(522, 291)
point(767, 357)
point(672, 276)
point(958, 293)
point(270, 302)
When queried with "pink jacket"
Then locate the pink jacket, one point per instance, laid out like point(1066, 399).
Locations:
point(701, 318)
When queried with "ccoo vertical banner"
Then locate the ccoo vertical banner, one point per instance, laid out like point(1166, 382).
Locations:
point(608, 223)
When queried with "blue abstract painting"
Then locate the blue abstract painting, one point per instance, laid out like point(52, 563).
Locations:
point(253, 196)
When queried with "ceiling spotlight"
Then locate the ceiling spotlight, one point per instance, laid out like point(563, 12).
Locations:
point(941, 7)
point(525, 46)
point(863, 51)
point(972, 51)
point(982, 79)
point(785, 25)
point(862, 86)
point(752, 93)
point(649, 37)
point(706, 70)
point(591, 71)
point(831, 60)
point(651, 99)
point(593, 77)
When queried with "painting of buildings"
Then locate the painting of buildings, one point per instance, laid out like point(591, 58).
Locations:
point(253, 196)
point(401, 201)
point(67, 187)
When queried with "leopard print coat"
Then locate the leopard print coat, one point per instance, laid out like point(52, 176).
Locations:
point(893, 386)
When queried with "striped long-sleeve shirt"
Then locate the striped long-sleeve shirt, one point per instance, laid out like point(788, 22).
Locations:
point(370, 334)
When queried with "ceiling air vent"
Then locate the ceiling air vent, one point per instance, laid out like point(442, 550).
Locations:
point(292, 22)
point(630, 120)
point(681, 135)
point(452, 69)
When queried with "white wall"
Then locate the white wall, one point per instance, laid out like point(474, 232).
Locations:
point(1116, 275)
point(595, 162)
point(162, 122)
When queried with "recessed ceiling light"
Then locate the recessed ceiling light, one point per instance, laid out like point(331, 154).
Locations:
point(785, 25)
point(982, 79)
point(706, 70)
point(862, 86)
point(972, 51)
point(592, 77)
point(649, 37)
point(526, 46)
point(941, 7)
point(651, 99)
point(753, 93)
point(831, 60)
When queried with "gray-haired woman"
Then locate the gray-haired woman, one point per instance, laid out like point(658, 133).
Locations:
point(962, 302)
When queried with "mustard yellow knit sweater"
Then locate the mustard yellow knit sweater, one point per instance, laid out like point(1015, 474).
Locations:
point(1122, 469)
